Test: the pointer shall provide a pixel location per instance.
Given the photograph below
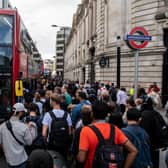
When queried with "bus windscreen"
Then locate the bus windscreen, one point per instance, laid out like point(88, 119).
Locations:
point(6, 40)
point(6, 50)
point(6, 30)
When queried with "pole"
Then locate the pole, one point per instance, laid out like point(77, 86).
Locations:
point(118, 65)
point(92, 69)
point(136, 73)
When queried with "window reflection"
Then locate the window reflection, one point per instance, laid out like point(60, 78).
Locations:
point(5, 56)
point(5, 95)
point(6, 30)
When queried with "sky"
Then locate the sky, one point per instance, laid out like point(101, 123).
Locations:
point(39, 15)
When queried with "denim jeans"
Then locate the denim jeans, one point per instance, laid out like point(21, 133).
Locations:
point(23, 165)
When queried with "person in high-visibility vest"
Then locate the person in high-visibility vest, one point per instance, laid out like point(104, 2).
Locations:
point(19, 89)
point(132, 91)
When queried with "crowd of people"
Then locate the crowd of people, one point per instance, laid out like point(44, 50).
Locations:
point(83, 125)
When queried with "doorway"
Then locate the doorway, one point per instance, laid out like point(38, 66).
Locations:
point(83, 74)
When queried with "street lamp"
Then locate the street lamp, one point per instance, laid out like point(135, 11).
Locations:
point(118, 60)
point(55, 57)
point(63, 47)
point(92, 54)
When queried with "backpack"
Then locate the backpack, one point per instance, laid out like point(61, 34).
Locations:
point(75, 142)
point(141, 142)
point(39, 141)
point(161, 130)
point(59, 135)
point(107, 153)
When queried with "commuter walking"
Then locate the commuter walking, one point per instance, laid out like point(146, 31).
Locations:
point(122, 99)
point(14, 135)
point(57, 127)
point(139, 137)
point(67, 95)
point(89, 149)
point(86, 120)
point(155, 126)
point(76, 112)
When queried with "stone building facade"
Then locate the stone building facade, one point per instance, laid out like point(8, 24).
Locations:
point(5, 4)
point(96, 25)
point(48, 66)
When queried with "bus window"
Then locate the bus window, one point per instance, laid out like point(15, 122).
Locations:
point(5, 57)
point(6, 40)
point(5, 98)
point(6, 30)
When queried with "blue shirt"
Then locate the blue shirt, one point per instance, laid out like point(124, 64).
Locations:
point(140, 139)
point(76, 112)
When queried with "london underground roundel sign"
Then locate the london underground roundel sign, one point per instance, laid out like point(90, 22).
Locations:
point(138, 38)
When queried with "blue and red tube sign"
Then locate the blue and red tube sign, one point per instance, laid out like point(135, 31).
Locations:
point(140, 35)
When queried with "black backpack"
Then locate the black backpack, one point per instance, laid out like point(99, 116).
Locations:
point(107, 153)
point(161, 131)
point(59, 135)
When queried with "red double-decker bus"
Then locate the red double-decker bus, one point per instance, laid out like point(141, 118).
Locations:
point(16, 58)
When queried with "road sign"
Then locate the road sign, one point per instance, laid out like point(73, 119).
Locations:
point(143, 37)
point(139, 38)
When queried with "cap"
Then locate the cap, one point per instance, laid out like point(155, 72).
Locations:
point(18, 107)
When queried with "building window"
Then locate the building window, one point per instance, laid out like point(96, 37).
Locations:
point(59, 54)
point(60, 66)
point(59, 60)
point(60, 35)
point(60, 48)
point(60, 42)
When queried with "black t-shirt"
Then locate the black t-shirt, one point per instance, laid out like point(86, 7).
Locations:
point(148, 124)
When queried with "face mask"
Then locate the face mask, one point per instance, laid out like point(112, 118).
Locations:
point(22, 116)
